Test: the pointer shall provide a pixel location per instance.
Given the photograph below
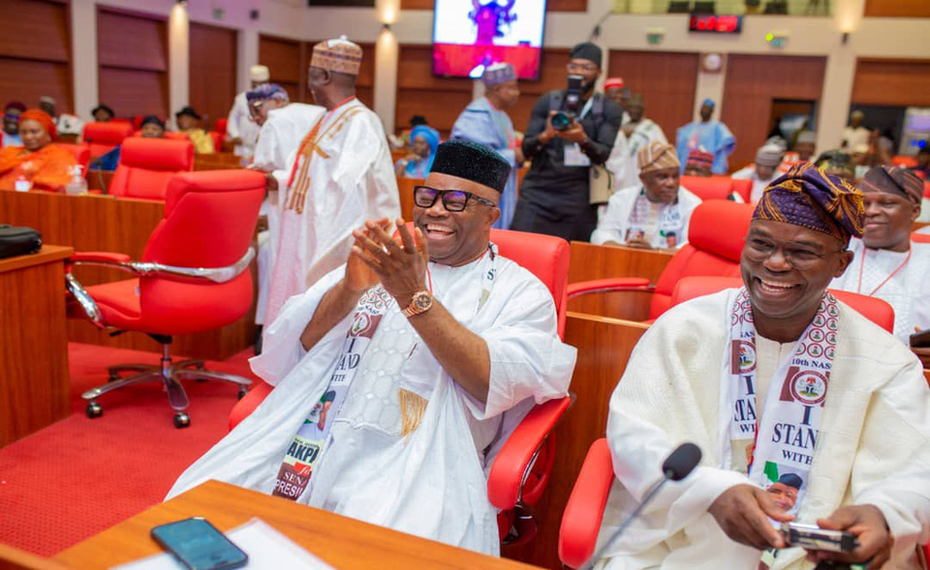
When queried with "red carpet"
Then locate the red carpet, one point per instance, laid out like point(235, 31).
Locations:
point(79, 476)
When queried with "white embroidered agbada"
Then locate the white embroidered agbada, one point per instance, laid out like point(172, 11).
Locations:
point(622, 162)
point(907, 288)
point(349, 179)
point(618, 222)
point(431, 483)
point(281, 135)
point(240, 125)
point(670, 393)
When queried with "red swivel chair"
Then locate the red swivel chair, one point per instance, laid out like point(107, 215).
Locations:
point(715, 241)
point(904, 160)
point(581, 519)
point(217, 140)
point(220, 126)
point(104, 137)
point(717, 187)
point(147, 165)
point(521, 469)
point(193, 277)
point(920, 238)
point(81, 154)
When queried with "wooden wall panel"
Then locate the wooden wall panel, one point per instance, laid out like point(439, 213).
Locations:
point(213, 59)
point(35, 53)
point(439, 99)
point(365, 83)
point(667, 81)
point(897, 8)
point(132, 58)
point(892, 82)
point(552, 75)
point(551, 5)
point(752, 82)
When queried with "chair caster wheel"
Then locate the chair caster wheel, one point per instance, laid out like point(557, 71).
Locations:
point(242, 393)
point(181, 420)
point(93, 410)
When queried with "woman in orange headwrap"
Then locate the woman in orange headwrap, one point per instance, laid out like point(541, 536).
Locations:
point(44, 165)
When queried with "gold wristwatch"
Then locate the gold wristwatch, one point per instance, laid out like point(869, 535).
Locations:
point(420, 303)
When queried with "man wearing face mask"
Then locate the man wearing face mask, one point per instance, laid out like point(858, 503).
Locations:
point(653, 214)
point(555, 194)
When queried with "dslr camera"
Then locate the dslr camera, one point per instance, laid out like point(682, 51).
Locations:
point(562, 120)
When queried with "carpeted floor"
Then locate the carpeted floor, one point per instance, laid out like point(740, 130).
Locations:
point(79, 476)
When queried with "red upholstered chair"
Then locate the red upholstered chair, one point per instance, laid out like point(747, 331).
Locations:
point(521, 469)
point(217, 140)
point(904, 160)
point(742, 187)
point(81, 154)
point(716, 187)
point(193, 277)
point(715, 241)
point(147, 165)
point(176, 136)
point(220, 126)
point(920, 238)
point(104, 137)
point(581, 519)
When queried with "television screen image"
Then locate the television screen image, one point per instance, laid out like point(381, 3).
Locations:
point(469, 35)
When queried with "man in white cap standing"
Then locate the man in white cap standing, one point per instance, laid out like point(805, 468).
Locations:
point(240, 129)
point(485, 121)
point(339, 176)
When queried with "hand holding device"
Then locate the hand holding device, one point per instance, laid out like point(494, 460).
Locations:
point(870, 529)
point(744, 512)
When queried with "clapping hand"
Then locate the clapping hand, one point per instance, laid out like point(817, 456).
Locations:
point(359, 277)
point(401, 267)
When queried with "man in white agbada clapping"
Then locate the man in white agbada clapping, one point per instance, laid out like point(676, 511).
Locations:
point(399, 375)
point(797, 401)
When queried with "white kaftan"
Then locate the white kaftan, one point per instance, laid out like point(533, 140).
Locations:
point(622, 160)
point(239, 124)
point(349, 179)
point(431, 483)
point(618, 221)
point(670, 393)
point(908, 292)
point(758, 184)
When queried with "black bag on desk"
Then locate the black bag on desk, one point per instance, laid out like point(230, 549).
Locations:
point(18, 241)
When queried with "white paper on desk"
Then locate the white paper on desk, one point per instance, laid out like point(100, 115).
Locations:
point(267, 549)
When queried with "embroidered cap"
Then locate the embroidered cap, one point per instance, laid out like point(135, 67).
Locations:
point(769, 155)
point(259, 73)
point(656, 156)
point(806, 196)
point(699, 157)
point(472, 161)
point(266, 91)
point(893, 180)
point(340, 55)
point(612, 82)
point(498, 73)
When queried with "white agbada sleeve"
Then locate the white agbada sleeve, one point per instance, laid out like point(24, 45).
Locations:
point(620, 163)
point(268, 149)
point(240, 107)
point(613, 224)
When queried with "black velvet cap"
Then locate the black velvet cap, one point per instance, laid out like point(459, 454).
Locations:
point(587, 50)
point(472, 161)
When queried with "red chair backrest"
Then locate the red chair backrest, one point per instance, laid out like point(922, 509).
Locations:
point(926, 188)
point(104, 137)
point(544, 256)
point(217, 140)
point(920, 238)
point(146, 166)
point(220, 126)
point(715, 241)
point(708, 187)
point(743, 187)
point(904, 160)
point(209, 221)
point(872, 308)
point(81, 154)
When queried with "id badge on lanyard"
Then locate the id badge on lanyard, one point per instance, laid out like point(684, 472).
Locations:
point(572, 153)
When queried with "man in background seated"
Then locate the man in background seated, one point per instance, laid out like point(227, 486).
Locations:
point(923, 162)
point(805, 145)
point(283, 125)
point(653, 214)
point(151, 128)
point(102, 113)
point(434, 345)
point(762, 172)
point(616, 91)
point(11, 114)
point(887, 264)
point(241, 130)
point(837, 163)
point(65, 123)
point(38, 164)
point(699, 163)
point(771, 379)
point(189, 123)
point(485, 121)
point(708, 135)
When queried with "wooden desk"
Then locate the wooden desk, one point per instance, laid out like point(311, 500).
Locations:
point(217, 161)
point(34, 385)
point(340, 541)
point(104, 223)
point(589, 262)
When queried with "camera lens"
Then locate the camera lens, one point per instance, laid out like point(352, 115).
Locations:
point(561, 121)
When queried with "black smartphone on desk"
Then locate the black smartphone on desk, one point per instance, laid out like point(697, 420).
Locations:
point(199, 545)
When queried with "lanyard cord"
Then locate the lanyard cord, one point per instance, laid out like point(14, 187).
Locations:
point(887, 279)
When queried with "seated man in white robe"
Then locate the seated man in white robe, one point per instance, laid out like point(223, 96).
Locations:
point(888, 265)
point(400, 374)
point(654, 213)
point(774, 379)
point(762, 172)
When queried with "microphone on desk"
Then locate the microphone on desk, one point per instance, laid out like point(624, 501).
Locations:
point(678, 465)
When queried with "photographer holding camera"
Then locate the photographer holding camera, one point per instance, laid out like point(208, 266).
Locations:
point(570, 130)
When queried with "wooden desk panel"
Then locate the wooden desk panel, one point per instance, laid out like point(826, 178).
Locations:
point(34, 384)
point(340, 541)
point(123, 225)
point(217, 161)
point(590, 262)
point(604, 347)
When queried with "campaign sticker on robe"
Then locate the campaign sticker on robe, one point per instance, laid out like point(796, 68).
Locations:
point(308, 444)
point(574, 156)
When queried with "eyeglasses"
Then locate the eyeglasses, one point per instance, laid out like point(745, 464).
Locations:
point(759, 250)
point(453, 200)
point(580, 67)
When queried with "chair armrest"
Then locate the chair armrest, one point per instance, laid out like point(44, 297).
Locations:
point(607, 285)
point(154, 269)
point(581, 520)
point(248, 403)
point(515, 460)
point(100, 256)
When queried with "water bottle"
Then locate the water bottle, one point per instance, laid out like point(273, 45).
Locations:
point(77, 185)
